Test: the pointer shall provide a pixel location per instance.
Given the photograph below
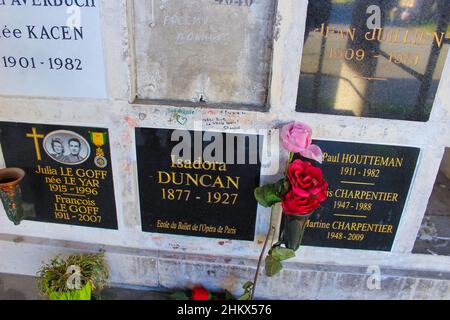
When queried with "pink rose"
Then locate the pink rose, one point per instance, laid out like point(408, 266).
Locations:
point(296, 138)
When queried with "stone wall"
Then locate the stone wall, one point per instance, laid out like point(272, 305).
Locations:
point(162, 260)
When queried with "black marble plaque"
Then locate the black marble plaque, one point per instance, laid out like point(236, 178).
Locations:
point(374, 58)
point(369, 186)
point(188, 196)
point(68, 177)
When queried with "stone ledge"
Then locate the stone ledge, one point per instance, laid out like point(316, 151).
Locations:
point(152, 269)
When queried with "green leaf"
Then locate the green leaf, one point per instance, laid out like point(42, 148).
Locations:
point(267, 195)
point(273, 266)
point(179, 296)
point(282, 254)
point(245, 296)
point(270, 194)
point(248, 285)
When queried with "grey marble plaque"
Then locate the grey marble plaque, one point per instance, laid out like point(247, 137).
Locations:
point(204, 51)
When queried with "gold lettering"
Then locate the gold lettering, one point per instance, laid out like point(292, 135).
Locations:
point(198, 164)
point(206, 181)
point(439, 40)
point(372, 160)
point(234, 182)
point(374, 33)
point(331, 158)
point(219, 183)
point(418, 39)
point(364, 227)
point(317, 224)
point(366, 195)
point(380, 33)
point(202, 183)
point(160, 181)
point(177, 183)
point(351, 33)
point(189, 177)
point(405, 37)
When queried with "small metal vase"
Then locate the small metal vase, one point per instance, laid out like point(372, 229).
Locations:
point(293, 228)
point(11, 194)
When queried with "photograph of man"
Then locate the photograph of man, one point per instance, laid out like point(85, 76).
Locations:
point(58, 149)
point(74, 149)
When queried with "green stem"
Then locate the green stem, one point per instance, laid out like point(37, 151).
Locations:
point(271, 228)
point(291, 157)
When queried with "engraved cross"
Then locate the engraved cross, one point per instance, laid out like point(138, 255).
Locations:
point(36, 138)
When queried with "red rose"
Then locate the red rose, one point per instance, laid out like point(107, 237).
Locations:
point(200, 293)
point(293, 204)
point(308, 188)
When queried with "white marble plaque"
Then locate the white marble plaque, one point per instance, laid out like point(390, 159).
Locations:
point(51, 48)
point(213, 51)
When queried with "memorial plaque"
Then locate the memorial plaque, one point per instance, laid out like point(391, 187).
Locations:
point(204, 51)
point(68, 172)
point(369, 186)
point(187, 195)
point(51, 48)
point(374, 58)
